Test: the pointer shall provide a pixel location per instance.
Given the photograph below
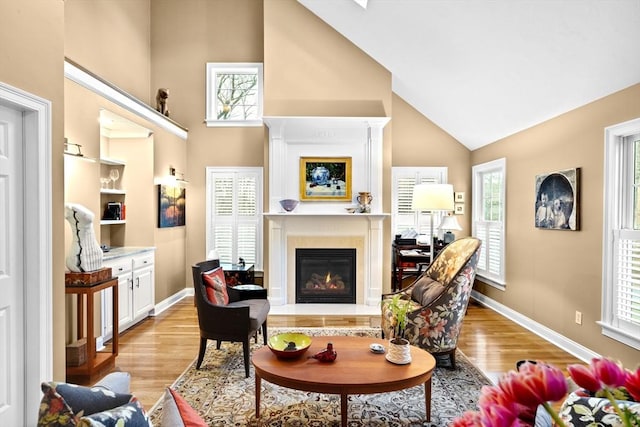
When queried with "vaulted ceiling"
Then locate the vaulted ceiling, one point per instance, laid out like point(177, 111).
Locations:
point(485, 69)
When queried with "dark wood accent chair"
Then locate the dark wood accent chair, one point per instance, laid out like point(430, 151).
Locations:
point(237, 321)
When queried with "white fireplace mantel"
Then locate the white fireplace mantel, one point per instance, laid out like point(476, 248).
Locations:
point(325, 224)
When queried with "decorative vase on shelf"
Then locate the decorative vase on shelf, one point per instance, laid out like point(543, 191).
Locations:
point(399, 351)
point(288, 204)
point(364, 202)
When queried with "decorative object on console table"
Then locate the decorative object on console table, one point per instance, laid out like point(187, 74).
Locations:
point(87, 278)
point(557, 205)
point(325, 178)
point(85, 253)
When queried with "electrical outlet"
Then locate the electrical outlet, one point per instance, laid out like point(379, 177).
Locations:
point(579, 317)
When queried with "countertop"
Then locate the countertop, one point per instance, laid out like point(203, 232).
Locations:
point(119, 252)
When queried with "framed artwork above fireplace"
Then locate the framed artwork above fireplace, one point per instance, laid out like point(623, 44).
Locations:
point(325, 178)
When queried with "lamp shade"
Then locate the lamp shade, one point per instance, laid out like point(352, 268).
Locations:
point(213, 254)
point(450, 223)
point(432, 197)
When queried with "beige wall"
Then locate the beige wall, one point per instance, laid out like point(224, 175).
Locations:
point(311, 70)
point(185, 36)
point(551, 274)
point(111, 38)
point(417, 141)
point(31, 54)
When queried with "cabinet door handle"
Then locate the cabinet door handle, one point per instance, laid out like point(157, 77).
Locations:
point(137, 282)
point(131, 283)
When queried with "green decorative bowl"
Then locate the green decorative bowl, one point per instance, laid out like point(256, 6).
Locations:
point(289, 345)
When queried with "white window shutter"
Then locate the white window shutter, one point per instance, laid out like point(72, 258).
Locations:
point(234, 214)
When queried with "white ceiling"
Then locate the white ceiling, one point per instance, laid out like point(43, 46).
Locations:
point(486, 69)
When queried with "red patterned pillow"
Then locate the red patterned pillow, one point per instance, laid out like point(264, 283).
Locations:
point(176, 412)
point(216, 286)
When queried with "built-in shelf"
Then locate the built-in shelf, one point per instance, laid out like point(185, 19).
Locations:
point(112, 221)
point(112, 191)
point(112, 162)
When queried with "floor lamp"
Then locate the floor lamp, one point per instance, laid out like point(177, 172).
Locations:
point(432, 198)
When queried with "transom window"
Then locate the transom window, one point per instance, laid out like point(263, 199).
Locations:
point(234, 94)
point(621, 239)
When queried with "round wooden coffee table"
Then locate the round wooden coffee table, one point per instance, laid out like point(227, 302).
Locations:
point(356, 370)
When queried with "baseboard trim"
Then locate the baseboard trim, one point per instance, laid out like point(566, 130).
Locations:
point(170, 301)
point(570, 346)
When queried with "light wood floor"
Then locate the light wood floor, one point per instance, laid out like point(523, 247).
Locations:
point(159, 349)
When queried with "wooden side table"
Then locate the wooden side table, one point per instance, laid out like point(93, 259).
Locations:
point(96, 361)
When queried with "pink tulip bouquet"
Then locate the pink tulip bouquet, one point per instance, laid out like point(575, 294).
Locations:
point(514, 401)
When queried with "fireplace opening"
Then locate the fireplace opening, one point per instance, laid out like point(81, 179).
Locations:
point(326, 276)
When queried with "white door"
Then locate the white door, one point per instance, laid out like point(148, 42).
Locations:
point(12, 340)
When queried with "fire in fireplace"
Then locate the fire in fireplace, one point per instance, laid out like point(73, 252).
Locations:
point(326, 275)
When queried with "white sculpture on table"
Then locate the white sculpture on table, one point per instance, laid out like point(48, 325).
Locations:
point(85, 253)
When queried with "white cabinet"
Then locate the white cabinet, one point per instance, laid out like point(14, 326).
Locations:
point(136, 291)
point(142, 286)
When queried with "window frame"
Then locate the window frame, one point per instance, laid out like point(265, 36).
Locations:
point(618, 168)
point(211, 172)
point(421, 219)
point(215, 68)
point(496, 280)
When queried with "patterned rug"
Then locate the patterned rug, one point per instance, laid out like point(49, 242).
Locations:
point(224, 397)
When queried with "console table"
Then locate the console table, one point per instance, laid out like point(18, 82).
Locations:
point(238, 274)
point(96, 361)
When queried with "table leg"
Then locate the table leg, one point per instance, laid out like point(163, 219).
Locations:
point(427, 398)
point(258, 385)
point(343, 409)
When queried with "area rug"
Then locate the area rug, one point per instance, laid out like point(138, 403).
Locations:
point(223, 396)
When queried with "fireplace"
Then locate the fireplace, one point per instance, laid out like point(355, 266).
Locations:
point(326, 275)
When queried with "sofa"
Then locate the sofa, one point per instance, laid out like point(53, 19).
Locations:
point(582, 409)
point(109, 403)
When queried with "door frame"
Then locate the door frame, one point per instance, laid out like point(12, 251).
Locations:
point(38, 290)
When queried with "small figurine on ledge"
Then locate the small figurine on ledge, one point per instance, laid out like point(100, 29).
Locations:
point(161, 101)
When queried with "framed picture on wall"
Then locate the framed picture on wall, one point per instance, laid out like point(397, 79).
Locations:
point(557, 204)
point(171, 206)
point(458, 209)
point(325, 178)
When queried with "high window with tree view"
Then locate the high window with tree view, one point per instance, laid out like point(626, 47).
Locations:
point(234, 94)
point(621, 240)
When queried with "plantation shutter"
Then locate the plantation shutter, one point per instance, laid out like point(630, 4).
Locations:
point(235, 215)
point(621, 238)
point(628, 280)
point(488, 218)
point(403, 217)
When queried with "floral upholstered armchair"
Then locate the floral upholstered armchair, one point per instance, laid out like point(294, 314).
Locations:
point(438, 300)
